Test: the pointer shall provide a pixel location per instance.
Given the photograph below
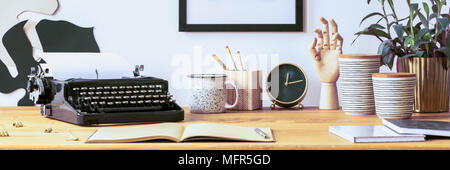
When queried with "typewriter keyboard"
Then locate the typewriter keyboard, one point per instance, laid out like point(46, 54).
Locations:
point(120, 98)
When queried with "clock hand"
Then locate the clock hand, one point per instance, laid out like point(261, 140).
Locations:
point(287, 80)
point(299, 81)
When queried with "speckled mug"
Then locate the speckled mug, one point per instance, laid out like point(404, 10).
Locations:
point(209, 93)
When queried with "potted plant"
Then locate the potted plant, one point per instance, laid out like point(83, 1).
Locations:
point(419, 42)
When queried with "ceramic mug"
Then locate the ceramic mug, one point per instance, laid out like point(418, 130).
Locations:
point(209, 93)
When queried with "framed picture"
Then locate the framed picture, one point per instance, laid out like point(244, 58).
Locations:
point(241, 16)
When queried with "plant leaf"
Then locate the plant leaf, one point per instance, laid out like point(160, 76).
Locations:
point(374, 32)
point(426, 8)
point(408, 55)
point(398, 28)
point(421, 33)
point(377, 26)
point(409, 40)
point(371, 15)
point(384, 47)
point(423, 19)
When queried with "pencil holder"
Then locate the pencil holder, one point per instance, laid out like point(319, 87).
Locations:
point(249, 85)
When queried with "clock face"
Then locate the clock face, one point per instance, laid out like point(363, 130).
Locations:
point(287, 84)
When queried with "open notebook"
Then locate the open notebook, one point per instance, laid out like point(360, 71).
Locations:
point(179, 133)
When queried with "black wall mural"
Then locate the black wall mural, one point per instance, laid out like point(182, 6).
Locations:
point(55, 36)
point(63, 36)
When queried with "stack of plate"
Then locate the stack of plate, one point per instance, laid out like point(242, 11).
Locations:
point(394, 94)
point(356, 83)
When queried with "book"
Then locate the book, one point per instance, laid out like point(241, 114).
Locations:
point(373, 134)
point(432, 128)
point(180, 133)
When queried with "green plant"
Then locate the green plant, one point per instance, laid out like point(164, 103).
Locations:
point(423, 33)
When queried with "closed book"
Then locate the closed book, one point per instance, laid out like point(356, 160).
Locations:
point(373, 134)
point(432, 128)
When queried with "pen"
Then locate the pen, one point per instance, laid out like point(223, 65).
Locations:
point(220, 62)
point(240, 59)
point(260, 132)
point(232, 59)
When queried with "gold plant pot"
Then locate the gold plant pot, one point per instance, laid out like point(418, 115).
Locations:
point(432, 91)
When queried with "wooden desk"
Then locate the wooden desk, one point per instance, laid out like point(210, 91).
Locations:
point(293, 129)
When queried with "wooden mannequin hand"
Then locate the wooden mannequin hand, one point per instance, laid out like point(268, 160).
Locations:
point(326, 54)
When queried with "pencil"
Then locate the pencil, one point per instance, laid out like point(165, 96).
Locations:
point(240, 59)
point(220, 62)
point(232, 59)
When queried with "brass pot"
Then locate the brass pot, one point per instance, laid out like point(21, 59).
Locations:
point(432, 91)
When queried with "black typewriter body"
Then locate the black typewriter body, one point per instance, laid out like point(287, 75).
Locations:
point(103, 101)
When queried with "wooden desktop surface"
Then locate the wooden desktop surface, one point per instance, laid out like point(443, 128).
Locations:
point(293, 129)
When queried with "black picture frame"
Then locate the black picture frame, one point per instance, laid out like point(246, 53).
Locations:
point(184, 27)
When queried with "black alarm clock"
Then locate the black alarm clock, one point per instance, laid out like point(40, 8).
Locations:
point(286, 85)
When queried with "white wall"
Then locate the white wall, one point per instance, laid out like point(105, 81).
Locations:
point(146, 32)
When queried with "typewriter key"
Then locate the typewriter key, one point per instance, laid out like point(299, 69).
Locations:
point(98, 93)
point(133, 97)
point(99, 88)
point(136, 87)
point(113, 92)
point(76, 89)
point(148, 101)
point(132, 102)
point(110, 97)
point(103, 97)
point(128, 92)
point(110, 103)
point(83, 88)
point(158, 91)
point(118, 97)
point(151, 86)
point(107, 87)
point(143, 91)
point(118, 102)
point(94, 103)
point(144, 86)
point(95, 98)
point(141, 96)
point(102, 103)
point(129, 87)
point(106, 93)
point(125, 102)
point(87, 98)
point(136, 91)
point(122, 87)
point(126, 97)
point(91, 88)
point(83, 93)
point(155, 96)
point(148, 96)
point(140, 102)
point(91, 93)
point(114, 87)
point(121, 92)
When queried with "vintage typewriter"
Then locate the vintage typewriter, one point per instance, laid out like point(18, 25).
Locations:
point(103, 101)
